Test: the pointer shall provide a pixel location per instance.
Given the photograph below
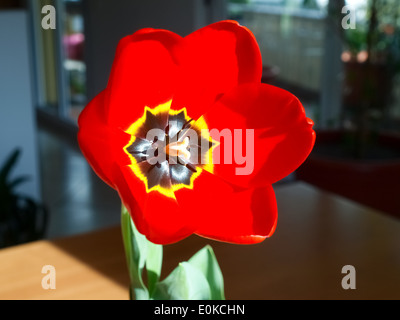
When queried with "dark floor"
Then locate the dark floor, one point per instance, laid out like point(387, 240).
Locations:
point(77, 200)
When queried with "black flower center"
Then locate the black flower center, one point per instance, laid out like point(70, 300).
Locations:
point(168, 149)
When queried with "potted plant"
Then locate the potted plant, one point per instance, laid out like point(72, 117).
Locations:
point(361, 160)
point(21, 218)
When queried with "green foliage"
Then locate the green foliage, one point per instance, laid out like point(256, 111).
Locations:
point(21, 218)
point(206, 262)
point(8, 185)
point(185, 282)
point(356, 40)
point(199, 278)
point(137, 248)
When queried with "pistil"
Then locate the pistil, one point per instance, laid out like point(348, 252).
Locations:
point(179, 149)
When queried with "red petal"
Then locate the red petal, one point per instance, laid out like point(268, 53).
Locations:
point(100, 145)
point(283, 136)
point(213, 60)
point(227, 213)
point(143, 74)
point(155, 215)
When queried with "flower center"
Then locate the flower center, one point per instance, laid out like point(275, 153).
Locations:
point(179, 149)
point(168, 150)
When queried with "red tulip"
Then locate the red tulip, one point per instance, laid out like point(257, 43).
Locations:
point(209, 79)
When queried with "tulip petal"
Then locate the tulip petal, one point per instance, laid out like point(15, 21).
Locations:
point(143, 74)
point(156, 216)
point(282, 134)
point(213, 60)
point(101, 145)
point(226, 213)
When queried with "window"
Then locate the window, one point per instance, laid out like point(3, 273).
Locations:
point(291, 37)
point(60, 67)
point(306, 50)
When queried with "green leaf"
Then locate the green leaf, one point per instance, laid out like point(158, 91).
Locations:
point(184, 283)
point(153, 265)
point(17, 181)
point(9, 164)
point(207, 263)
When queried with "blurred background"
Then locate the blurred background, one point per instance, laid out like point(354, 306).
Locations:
point(343, 66)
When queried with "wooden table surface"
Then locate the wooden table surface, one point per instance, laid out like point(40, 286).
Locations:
point(318, 233)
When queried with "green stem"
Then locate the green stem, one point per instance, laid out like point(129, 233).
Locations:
point(140, 254)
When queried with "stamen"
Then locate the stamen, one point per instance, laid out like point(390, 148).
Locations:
point(185, 126)
point(191, 167)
